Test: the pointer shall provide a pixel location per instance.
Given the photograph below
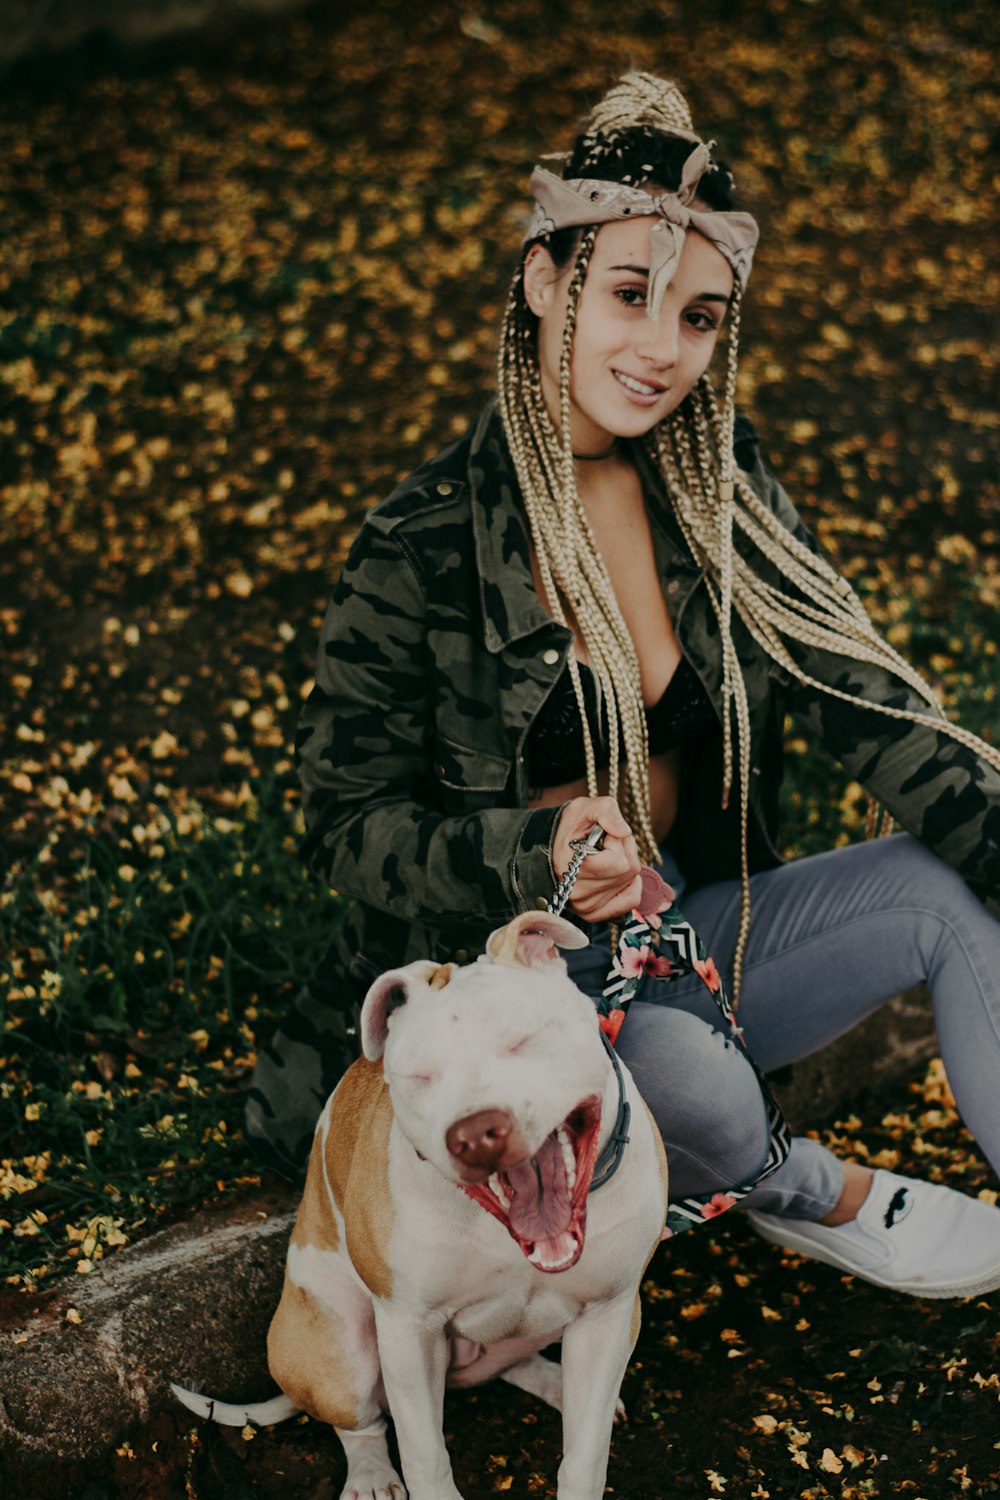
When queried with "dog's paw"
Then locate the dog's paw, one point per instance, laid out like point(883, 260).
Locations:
point(392, 1491)
point(373, 1481)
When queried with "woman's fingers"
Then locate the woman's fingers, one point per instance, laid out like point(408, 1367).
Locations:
point(575, 822)
point(607, 884)
point(606, 904)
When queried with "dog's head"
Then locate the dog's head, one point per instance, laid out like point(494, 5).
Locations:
point(497, 1075)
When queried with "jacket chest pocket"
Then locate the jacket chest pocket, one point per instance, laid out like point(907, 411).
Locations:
point(469, 780)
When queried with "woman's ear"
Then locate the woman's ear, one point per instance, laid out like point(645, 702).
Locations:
point(540, 277)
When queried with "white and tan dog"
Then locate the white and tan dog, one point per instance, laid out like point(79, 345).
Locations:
point(446, 1234)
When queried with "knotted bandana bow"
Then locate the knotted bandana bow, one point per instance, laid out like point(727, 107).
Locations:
point(563, 203)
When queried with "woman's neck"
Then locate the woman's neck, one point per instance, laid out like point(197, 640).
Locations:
point(598, 458)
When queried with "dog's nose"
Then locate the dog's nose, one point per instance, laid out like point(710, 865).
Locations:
point(480, 1140)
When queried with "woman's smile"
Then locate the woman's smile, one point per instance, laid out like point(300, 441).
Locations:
point(643, 392)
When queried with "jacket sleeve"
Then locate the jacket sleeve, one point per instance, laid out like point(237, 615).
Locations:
point(375, 824)
point(943, 792)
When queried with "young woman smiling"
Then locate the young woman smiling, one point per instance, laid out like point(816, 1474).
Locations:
point(597, 607)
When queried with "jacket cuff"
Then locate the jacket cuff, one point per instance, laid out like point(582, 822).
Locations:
point(532, 877)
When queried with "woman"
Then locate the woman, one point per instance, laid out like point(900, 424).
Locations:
point(596, 608)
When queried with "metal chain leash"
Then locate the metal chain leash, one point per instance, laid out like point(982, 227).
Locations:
point(592, 844)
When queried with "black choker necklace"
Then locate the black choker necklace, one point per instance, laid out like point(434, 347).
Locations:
point(595, 458)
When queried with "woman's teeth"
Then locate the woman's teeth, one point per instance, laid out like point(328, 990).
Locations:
point(639, 386)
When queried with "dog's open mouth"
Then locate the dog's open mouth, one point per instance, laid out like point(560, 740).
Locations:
point(542, 1200)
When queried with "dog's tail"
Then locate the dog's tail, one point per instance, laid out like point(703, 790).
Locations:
point(259, 1414)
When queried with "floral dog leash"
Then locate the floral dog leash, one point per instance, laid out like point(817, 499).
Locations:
point(655, 938)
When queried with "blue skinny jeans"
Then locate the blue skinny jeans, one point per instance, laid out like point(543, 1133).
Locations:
point(833, 938)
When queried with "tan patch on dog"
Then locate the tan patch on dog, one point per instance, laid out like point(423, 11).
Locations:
point(315, 1223)
point(441, 977)
point(357, 1165)
point(308, 1360)
point(315, 1347)
point(304, 1349)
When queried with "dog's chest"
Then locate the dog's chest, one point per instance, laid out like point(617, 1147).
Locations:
point(491, 1291)
point(513, 1311)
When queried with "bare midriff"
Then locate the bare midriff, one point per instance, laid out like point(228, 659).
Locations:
point(664, 774)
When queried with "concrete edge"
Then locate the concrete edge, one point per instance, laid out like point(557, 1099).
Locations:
point(191, 1304)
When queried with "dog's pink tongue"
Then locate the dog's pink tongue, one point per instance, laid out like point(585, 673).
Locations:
point(541, 1206)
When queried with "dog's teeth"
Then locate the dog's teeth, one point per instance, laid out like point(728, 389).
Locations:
point(496, 1187)
point(568, 1156)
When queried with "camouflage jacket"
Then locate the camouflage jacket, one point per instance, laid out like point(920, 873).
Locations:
point(435, 657)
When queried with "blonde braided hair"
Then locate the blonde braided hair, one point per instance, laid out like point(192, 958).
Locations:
point(570, 565)
point(712, 499)
point(642, 99)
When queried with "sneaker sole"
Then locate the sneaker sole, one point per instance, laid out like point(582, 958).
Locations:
point(787, 1239)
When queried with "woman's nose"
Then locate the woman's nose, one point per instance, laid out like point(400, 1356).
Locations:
point(659, 341)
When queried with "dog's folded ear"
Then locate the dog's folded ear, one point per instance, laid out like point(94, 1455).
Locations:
point(533, 938)
point(386, 995)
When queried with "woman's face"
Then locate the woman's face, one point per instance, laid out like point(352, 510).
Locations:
point(627, 372)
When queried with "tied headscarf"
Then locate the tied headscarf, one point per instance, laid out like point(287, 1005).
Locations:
point(564, 203)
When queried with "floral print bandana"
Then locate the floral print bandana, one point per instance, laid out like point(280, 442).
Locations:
point(563, 203)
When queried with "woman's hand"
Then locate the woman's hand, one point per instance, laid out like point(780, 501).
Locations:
point(608, 884)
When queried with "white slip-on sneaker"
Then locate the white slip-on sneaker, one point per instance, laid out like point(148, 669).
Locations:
point(908, 1236)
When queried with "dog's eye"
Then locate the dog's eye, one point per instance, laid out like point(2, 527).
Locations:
point(417, 1079)
point(526, 1040)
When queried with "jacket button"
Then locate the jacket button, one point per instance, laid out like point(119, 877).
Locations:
point(673, 585)
point(444, 489)
point(550, 657)
point(439, 769)
point(461, 955)
point(541, 903)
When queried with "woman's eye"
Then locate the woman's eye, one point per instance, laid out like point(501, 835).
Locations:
point(632, 296)
point(703, 322)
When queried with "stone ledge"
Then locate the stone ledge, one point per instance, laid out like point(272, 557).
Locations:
point(191, 1303)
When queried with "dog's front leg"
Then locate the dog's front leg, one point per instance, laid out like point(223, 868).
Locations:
point(595, 1352)
point(414, 1356)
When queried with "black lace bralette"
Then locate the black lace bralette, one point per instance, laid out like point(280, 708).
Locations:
point(554, 745)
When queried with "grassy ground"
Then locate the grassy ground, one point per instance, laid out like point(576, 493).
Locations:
point(241, 292)
point(138, 991)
